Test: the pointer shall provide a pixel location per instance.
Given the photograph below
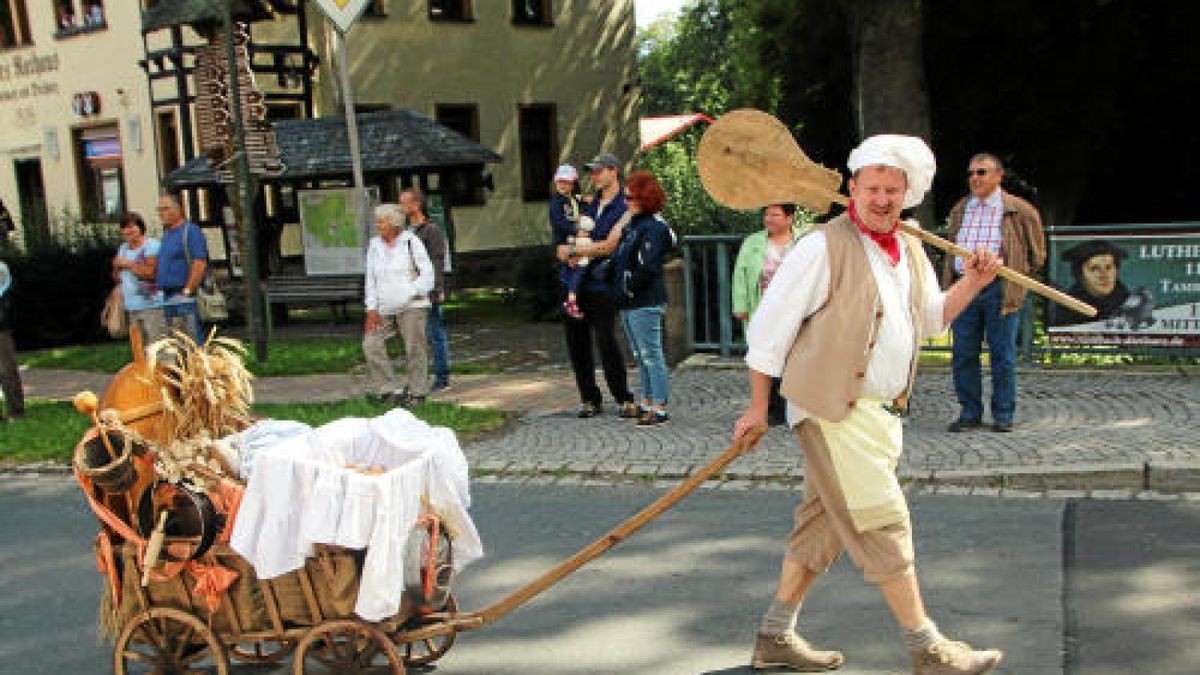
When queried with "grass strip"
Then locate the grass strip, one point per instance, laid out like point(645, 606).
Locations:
point(51, 429)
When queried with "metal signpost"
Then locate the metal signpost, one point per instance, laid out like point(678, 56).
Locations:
point(342, 14)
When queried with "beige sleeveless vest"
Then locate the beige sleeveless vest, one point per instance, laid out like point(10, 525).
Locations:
point(825, 368)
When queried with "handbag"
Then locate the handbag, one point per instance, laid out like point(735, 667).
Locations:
point(210, 299)
point(210, 302)
point(112, 316)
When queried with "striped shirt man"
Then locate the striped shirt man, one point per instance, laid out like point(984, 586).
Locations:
point(980, 226)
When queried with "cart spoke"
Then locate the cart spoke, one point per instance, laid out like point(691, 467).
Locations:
point(181, 643)
point(168, 641)
point(141, 657)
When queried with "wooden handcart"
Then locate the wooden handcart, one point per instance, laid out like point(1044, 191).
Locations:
point(309, 613)
point(180, 600)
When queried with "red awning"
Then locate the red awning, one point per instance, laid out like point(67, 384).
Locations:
point(655, 130)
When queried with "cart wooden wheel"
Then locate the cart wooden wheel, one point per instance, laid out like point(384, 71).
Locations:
point(167, 640)
point(267, 651)
point(346, 646)
point(425, 652)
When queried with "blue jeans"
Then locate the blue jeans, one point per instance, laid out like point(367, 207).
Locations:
point(644, 328)
point(183, 315)
point(435, 332)
point(983, 318)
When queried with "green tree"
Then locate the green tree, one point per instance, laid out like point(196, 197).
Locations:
point(706, 61)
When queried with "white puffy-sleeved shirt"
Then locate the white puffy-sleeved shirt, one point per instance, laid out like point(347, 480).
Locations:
point(399, 276)
point(799, 289)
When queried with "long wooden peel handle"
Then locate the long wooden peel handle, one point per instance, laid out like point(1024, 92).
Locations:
point(1005, 272)
point(619, 533)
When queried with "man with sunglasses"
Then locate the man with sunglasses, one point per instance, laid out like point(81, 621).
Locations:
point(1009, 226)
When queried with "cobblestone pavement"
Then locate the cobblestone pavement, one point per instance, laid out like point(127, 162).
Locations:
point(1101, 430)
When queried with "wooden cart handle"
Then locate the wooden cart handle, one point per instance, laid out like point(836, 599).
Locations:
point(617, 534)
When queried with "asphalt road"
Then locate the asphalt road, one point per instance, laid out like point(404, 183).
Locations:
point(1100, 587)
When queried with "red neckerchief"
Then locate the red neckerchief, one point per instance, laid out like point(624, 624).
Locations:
point(886, 240)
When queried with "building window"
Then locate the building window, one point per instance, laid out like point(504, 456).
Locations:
point(461, 117)
point(465, 186)
point(101, 174)
point(167, 131)
point(14, 24)
point(450, 10)
point(78, 16)
point(377, 9)
point(284, 110)
point(536, 131)
point(531, 13)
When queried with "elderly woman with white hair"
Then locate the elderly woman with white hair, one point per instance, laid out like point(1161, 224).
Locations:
point(399, 278)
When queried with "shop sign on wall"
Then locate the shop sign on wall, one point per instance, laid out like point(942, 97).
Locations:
point(17, 70)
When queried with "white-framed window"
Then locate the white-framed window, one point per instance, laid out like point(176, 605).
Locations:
point(78, 16)
point(101, 172)
point(14, 24)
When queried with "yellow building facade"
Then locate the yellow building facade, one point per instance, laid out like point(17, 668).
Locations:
point(541, 82)
point(76, 129)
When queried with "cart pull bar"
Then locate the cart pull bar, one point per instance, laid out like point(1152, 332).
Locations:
point(617, 534)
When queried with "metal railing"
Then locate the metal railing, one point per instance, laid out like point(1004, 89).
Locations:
point(711, 327)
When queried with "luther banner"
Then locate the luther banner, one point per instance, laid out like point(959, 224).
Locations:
point(1145, 288)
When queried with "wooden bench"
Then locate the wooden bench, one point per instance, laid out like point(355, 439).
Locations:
point(304, 291)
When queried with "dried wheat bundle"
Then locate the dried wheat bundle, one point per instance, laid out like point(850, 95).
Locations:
point(205, 388)
point(198, 461)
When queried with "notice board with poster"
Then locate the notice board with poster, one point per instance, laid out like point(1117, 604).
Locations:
point(335, 229)
point(1145, 287)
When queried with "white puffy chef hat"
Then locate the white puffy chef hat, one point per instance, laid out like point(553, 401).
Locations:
point(907, 153)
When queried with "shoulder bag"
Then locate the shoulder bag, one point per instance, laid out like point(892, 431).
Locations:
point(210, 300)
point(112, 316)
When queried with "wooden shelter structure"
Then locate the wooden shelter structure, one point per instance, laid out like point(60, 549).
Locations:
point(400, 148)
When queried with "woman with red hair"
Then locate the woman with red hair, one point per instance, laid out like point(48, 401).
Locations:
point(641, 293)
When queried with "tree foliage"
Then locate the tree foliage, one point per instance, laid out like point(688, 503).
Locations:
point(707, 62)
point(1085, 100)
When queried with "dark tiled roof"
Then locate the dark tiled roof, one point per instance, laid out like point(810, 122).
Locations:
point(168, 13)
point(389, 140)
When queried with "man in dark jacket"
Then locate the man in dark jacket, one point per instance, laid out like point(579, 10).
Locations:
point(10, 377)
point(596, 297)
point(412, 201)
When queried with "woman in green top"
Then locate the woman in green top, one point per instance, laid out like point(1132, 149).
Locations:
point(759, 257)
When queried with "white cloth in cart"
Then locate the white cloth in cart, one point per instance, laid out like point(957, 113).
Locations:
point(300, 493)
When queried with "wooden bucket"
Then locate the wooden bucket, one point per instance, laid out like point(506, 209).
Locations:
point(111, 471)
